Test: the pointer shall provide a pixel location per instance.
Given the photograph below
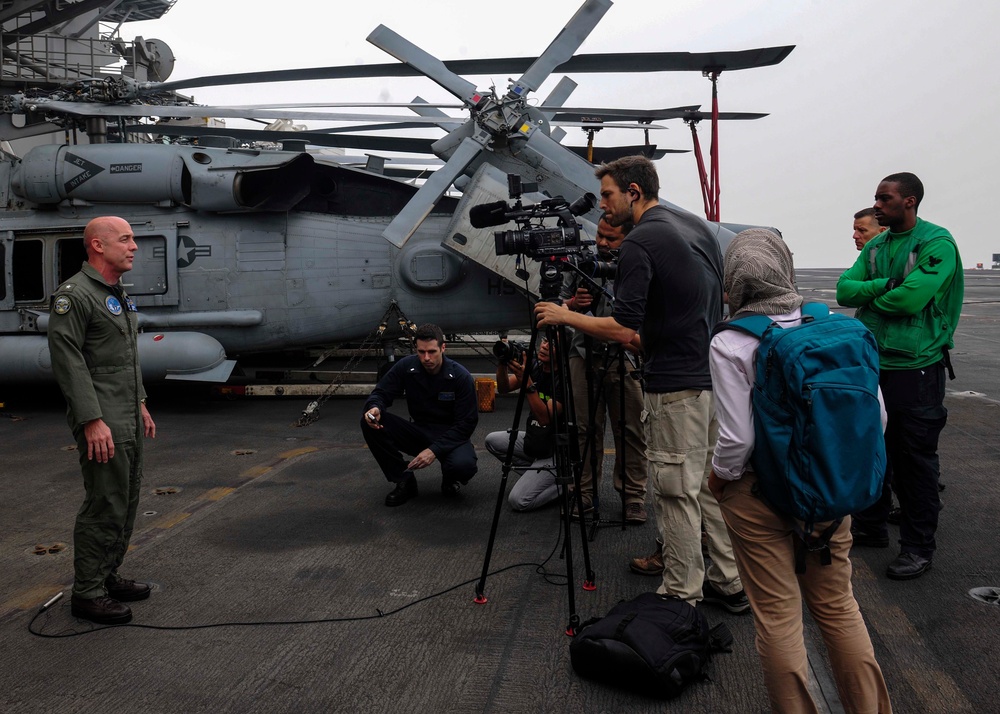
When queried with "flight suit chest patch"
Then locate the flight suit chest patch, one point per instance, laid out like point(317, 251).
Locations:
point(113, 305)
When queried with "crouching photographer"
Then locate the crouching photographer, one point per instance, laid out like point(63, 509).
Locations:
point(533, 455)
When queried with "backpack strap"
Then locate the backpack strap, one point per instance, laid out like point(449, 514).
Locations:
point(805, 542)
point(626, 621)
point(814, 311)
point(755, 325)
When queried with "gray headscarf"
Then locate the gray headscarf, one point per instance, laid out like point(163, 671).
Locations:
point(759, 274)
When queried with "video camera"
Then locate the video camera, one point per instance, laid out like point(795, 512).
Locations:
point(532, 238)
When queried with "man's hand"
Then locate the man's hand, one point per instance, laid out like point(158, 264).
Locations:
point(149, 426)
point(516, 367)
point(581, 301)
point(372, 418)
point(424, 458)
point(100, 445)
point(549, 313)
point(716, 485)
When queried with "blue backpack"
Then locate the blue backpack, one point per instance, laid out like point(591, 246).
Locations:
point(819, 451)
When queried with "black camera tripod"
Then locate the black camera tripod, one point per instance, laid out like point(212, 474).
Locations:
point(593, 451)
point(565, 450)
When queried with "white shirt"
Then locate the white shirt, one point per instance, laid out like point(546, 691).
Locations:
point(732, 356)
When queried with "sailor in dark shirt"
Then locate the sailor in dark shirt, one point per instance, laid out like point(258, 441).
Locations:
point(441, 399)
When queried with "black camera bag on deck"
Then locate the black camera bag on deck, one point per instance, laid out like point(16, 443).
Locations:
point(654, 645)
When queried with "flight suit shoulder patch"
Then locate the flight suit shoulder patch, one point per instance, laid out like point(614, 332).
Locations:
point(62, 305)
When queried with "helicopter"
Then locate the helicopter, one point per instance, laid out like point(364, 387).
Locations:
point(249, 242)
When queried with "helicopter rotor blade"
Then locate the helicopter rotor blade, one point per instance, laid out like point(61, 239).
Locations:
point(93, 109)
point(561, 49)
point(556, 98)
point(315, 138)
point(726, 116)
point(413, 214)
point(606, 125)
point(607, 154)
point(447, 123)
point(405, 51)
point(641, 115)
point(612, 62)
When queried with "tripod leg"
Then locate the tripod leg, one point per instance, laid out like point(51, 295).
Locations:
point(480, 597)
point(568, 466)
point(621, 449)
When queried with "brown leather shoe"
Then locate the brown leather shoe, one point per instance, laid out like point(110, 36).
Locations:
point(102, 610)
point(124, 590)
point(650, 565)
point(635, 513)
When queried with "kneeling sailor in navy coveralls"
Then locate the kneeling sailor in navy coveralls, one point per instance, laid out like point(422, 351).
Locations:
point(441, 398)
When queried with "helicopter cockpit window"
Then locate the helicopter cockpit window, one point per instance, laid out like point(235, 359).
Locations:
point(29, 270)
point(70, 254)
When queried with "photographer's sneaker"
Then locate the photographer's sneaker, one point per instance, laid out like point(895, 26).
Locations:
point(736, 603)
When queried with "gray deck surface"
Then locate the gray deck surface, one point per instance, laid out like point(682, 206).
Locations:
point(272, 523)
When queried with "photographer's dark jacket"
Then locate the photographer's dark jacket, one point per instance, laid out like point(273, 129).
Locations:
point(669, 290)
point(447, 398)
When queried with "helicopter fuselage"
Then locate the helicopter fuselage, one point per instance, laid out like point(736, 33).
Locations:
point(225, 271)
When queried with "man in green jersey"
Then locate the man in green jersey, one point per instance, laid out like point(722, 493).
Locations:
point(908, 285)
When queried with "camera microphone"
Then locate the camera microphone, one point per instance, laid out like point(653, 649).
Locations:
point(489, 214)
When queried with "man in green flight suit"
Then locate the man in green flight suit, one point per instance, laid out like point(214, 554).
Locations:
point(92, 339)
point(908, 287)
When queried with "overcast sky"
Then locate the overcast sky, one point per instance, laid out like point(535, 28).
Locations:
point(872, 88)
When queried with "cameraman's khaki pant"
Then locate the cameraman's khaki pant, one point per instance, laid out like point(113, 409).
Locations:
point(681, 432)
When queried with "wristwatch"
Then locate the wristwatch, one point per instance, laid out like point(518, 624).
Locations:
point(531, 388)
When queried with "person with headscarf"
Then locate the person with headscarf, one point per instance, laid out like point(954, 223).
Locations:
point(759, 279)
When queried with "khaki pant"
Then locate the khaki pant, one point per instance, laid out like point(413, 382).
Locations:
point(609, 402)
point(764, 547)
point(681, 432)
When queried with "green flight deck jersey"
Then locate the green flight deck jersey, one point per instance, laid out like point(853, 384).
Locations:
point(92, 335)
point(915, 322)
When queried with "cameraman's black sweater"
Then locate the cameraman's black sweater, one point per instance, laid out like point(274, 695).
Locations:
point(669, 289)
